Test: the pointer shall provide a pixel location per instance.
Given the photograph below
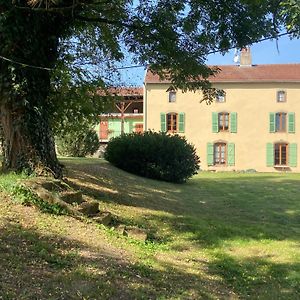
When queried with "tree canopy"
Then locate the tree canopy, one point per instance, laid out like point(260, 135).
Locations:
point(51, 45)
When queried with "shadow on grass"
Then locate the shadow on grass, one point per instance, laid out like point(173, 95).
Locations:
point(248, 277)
point(210, 208)
point(35, 266)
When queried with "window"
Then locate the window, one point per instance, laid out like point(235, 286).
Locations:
point(281, 96)
point(280, 154)
point(172, 122)
point(223, 121)
point(220, 154)
point(220, 96)
point(135, 110)
point(172, 96)
point(280, 122)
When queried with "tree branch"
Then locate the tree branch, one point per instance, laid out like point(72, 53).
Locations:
point(107, 21)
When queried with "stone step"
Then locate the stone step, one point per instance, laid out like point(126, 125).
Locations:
point(104, 218)
point(89, 209)
point(71, 197)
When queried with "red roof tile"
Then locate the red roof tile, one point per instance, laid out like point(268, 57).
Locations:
point(123, 91)
point(255, 73)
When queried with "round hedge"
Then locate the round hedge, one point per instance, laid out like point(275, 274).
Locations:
point(154, 155)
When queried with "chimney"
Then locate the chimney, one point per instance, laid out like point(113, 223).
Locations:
point(246, 59)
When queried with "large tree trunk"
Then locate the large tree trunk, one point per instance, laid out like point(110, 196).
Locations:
point(28, 142)
point(30, 37)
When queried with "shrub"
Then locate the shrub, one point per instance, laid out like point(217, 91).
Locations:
point(154, 155)
point(78, 144)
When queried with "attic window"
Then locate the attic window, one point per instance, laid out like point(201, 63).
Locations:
point(172, 94)
point(220, 96)
point(281, 96)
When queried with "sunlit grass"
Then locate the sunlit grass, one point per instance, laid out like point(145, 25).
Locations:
point(219, 236)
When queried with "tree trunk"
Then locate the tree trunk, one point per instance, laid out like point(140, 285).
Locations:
point(28, 143)
point(30, 37)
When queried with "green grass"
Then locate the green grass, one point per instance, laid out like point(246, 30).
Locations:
point(219, 236)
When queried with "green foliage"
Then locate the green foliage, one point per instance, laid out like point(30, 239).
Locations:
point(154, 155)
point(26, 197)
point(78, 143)
point(10, 184)
point(69, 46)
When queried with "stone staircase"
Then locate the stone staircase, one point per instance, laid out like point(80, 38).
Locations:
point(78, 206)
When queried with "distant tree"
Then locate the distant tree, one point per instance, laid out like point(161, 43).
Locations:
point(39, 38)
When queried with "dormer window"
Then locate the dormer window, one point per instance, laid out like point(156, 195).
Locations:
point(281, 96)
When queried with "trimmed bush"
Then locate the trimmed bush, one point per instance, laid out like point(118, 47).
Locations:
point(154, 155)
point(78, 144)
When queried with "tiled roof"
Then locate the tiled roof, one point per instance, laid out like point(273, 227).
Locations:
point(255, 73)
point(123, 91)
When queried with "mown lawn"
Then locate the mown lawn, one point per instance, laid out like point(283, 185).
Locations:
point(219, 236)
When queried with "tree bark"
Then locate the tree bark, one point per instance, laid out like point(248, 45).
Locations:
point(32, 38)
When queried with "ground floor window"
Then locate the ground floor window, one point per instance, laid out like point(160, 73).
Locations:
point(220, 153)
point(280, 154)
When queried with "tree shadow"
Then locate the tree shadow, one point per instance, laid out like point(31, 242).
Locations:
point(211, 209)
point(35, 266)
point(248, 276)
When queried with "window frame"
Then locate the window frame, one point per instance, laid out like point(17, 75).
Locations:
point(279, 162)
point(220, 145)
point(222, 119)
point(174, 120)
point(278, 97)
point(281, 128)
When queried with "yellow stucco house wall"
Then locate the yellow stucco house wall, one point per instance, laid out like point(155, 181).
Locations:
point(261, 108)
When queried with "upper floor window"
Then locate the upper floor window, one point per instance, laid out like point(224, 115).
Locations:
point(280, 122)
point(220, 96)
point(223, 121)
point(135, 110)
point(281, 96)
point(172, 122)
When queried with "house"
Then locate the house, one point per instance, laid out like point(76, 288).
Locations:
point(127, 115)
point(255, 124)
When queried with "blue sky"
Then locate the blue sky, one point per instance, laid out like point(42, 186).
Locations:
point(262, 53)
point(265, 53)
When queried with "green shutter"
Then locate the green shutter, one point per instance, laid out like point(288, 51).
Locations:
point(181, 122)
point(272, 122)
point(293, 155)
point(163, 125)
point(215, 125)
point(233, 122)
point(291, 118)
point(210, 154)
point(270, 155)
point(231, 154)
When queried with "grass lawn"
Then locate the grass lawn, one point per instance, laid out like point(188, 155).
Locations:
point(219, 236)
